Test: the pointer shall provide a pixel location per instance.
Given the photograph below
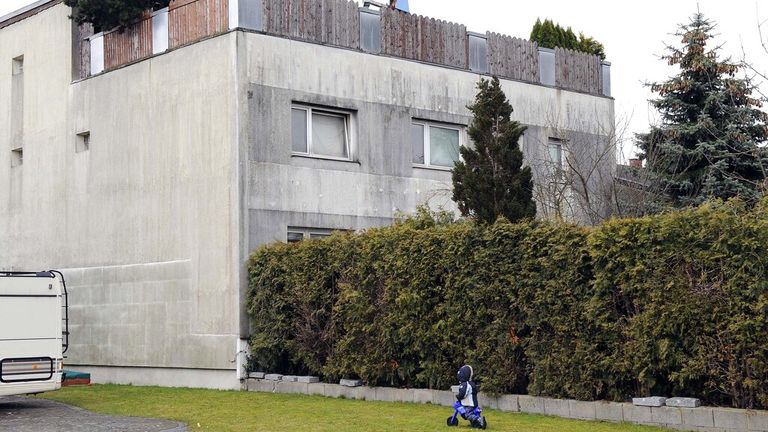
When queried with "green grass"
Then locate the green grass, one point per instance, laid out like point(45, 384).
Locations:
point(212, 410)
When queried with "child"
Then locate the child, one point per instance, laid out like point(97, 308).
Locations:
point(467, 396)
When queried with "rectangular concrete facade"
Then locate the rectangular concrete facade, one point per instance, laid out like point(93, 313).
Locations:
point(189, 168)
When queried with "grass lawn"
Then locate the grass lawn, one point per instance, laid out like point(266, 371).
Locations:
point(213, 410)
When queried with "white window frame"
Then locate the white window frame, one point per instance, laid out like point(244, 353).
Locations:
point(330, 112)
point(557, 172)
point(427, 125)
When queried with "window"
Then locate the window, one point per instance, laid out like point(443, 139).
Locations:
point(83, 142)
point(17, 157)
point(320, 132)
point(18, 66)
point(297, 234)
point(555, 157)
point(17, 111)
point(435, 144)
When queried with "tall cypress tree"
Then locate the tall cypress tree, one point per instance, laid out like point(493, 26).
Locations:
point(490, 180)
point(550, 35)
point(706, 145)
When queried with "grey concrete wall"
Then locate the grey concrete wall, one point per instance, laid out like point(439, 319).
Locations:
point(384, 94)
point(703, 419)
point(145, 223)
point(157, 185)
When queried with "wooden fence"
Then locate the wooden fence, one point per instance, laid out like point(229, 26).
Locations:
point(192, 20)
point(332, 22)
point(337, 23)
point(132, 43)
point(514, 58)
point(578, 71)
point(425, 39)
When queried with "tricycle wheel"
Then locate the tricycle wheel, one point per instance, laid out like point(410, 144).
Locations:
point(452, 421)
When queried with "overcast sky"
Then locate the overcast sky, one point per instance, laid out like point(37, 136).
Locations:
point(634, 34)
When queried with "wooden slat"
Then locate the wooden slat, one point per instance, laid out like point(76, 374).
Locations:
point(332, 22)
point(513, 58)
point(132, 43)
point(192, 20)
point(577, 71)
point(422, 38)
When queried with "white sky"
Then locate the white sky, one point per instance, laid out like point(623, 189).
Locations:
point(633, 33)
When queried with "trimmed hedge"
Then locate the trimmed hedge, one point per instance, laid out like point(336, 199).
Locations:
point(674, 304)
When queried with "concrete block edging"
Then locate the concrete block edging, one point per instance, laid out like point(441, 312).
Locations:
point(702, 419)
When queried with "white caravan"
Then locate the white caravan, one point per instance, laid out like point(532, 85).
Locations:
point(33, 331)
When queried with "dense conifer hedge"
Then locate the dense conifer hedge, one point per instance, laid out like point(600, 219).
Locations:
point(674, 304)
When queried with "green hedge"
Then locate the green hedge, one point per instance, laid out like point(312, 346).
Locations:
point(675, 304)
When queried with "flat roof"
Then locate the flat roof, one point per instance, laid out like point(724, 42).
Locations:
point(26, 12)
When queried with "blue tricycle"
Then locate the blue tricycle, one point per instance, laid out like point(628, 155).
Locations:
point(475, 416)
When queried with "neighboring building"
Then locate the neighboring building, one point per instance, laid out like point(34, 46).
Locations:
point(148, 164)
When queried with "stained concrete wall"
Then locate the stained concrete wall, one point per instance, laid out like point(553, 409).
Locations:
point(383, 94)
point(144, 224)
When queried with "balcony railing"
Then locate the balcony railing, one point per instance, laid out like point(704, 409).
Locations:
point(343, 24)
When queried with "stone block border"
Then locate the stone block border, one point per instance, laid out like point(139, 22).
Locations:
point(702, 419)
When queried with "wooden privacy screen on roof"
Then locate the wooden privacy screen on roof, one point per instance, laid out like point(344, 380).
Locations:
point(422, 38)
point(188, 21)
point(332, 22)
point(133, 43)
point(578, 71)
point(192, 20)
point(337, 23)
point(510, 57)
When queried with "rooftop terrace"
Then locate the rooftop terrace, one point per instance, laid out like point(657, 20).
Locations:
point(343, 24)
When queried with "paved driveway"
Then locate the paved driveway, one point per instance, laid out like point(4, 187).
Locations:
point(20, 414)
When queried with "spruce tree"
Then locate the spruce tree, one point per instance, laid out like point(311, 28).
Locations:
point(490, 180)
point(707, 143)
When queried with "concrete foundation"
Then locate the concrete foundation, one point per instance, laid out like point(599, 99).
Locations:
point(164, 377)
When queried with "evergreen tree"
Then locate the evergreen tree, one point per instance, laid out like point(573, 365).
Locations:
point(490, 181)
point(707, 144)
point(108, 14)
point(550, 35)
point(590, 45)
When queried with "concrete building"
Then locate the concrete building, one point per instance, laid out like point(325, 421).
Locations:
point(148, 164)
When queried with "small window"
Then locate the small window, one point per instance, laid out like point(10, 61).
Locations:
point(297, 234)
point(435, 144)
point(320, 132)
point(555, 156)
point(17, 157)
point(18, 66)
point(83, 142)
